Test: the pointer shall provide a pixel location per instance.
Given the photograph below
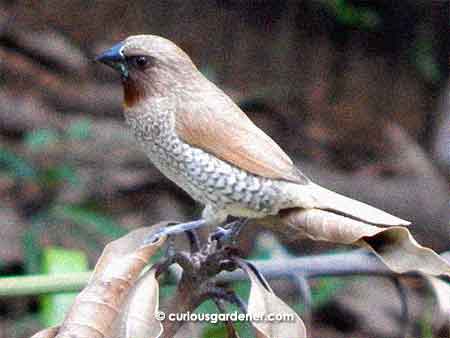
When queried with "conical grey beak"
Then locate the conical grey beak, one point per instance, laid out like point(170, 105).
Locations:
point(114, 58)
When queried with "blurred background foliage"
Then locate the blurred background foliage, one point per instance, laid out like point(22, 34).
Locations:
point(355, 91)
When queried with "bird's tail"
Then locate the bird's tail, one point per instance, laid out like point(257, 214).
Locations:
point(329, 200)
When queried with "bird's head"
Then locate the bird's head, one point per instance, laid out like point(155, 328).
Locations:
point(149, 65)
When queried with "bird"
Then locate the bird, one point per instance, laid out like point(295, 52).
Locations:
point(202, 141)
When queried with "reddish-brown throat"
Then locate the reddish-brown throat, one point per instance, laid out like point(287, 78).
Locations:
point(133, 92)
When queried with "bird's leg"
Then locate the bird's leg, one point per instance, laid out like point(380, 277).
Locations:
point(238, 226)
point(230, 233)
point(170, 251)
point(175, 229)
point(194, 240)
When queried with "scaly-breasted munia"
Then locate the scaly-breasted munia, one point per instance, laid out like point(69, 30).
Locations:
point(201, 140)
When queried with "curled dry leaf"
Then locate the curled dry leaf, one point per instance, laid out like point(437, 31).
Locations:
point(263, 301)
point(50, 332)
point(394, 245)
point(138, 319)
point(398, 249)
point(98, 305)
point(441, 291)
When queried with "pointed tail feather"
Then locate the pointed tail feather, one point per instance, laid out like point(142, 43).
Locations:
point(329, 200)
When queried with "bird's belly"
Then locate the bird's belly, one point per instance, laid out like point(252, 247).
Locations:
point(214, 182)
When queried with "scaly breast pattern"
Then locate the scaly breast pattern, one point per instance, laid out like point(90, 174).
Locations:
point(206, 178)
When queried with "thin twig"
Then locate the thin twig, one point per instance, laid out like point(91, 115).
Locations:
point(231, 330)
point(194, 240)
point(404, 305)
point(227, 295)
point(356, 262)
point(302, 285)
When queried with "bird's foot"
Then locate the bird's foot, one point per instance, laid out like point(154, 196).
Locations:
point(174, 229)
point(230, 233)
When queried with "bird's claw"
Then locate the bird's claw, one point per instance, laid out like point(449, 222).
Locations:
point(220, 234)
point(153, 238)
point(173, 230)
point(230, 234)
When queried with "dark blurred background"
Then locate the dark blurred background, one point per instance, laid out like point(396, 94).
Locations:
point(355, 91)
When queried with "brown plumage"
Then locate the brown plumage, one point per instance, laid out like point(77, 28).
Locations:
point(132, 93)
point(233, 137)
point(196, 135)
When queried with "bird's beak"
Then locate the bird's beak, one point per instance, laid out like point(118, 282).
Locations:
point(114, 58)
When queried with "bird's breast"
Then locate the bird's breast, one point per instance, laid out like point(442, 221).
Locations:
point(205, 177)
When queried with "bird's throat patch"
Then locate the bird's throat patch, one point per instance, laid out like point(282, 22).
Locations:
point(133, 93)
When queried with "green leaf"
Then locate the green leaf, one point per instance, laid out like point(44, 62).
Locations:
point(57, 260)
point(217, 330)
point(206, 307)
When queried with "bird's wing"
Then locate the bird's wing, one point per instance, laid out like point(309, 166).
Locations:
point(218, 126)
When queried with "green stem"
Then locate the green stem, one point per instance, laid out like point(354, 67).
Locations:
point(40, 284)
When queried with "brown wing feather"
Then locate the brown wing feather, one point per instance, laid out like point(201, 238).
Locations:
point(217, 125)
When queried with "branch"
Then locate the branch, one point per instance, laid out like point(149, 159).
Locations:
point(356, 262)
point(40, 284)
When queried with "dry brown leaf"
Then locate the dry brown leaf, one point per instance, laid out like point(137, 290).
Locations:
point(138, 319)
point(259, 334)
point(98, 304)
point(398, 249)
point(441, 291)
point(50, 332)
point(395, 245)
point(263, 301)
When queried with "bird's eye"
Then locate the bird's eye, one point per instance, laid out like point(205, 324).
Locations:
point(140, 61)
